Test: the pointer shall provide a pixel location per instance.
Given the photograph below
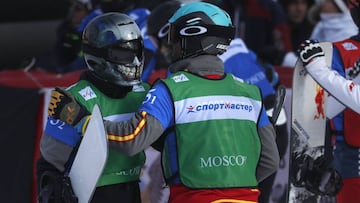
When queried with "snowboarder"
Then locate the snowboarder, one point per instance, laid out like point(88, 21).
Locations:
point(113, 50)
point(341, 82)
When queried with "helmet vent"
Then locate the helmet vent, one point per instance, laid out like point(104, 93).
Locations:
point(193, 20)
point(127, 23)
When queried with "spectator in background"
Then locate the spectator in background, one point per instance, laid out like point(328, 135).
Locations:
point(157, 33)
point(263, 27)
point(67, 56)
point(297, 13)
point(260, 23)
point(335, 22)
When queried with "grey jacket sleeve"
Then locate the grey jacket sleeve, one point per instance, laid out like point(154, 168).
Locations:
point(55, 152)
point(135, 135)
point(269, 157)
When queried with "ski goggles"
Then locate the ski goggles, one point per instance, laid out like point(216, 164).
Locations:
point(119, 53)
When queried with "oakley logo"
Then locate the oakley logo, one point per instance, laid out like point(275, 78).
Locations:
point(164, 30)
point(193, 30)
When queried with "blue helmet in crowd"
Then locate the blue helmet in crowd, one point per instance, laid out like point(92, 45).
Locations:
point(113, 48)
point(200, 28)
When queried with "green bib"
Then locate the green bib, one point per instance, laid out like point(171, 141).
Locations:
point(216, 131)
point(119, 168)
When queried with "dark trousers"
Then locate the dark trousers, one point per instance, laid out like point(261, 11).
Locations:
point(118, 193)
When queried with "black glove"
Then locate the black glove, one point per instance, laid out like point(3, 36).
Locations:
point(309, 50)
point(63, 106)
point(56, 188)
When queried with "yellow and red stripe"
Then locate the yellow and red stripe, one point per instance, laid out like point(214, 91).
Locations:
point(133, 135)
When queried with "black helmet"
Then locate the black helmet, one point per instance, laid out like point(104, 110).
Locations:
point(157, 23)
point(113, 48)
point(200, 28)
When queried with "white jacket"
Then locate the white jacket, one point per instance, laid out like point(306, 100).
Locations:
point(344, 90)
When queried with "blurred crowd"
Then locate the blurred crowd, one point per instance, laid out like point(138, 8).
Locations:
point(273, 30)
